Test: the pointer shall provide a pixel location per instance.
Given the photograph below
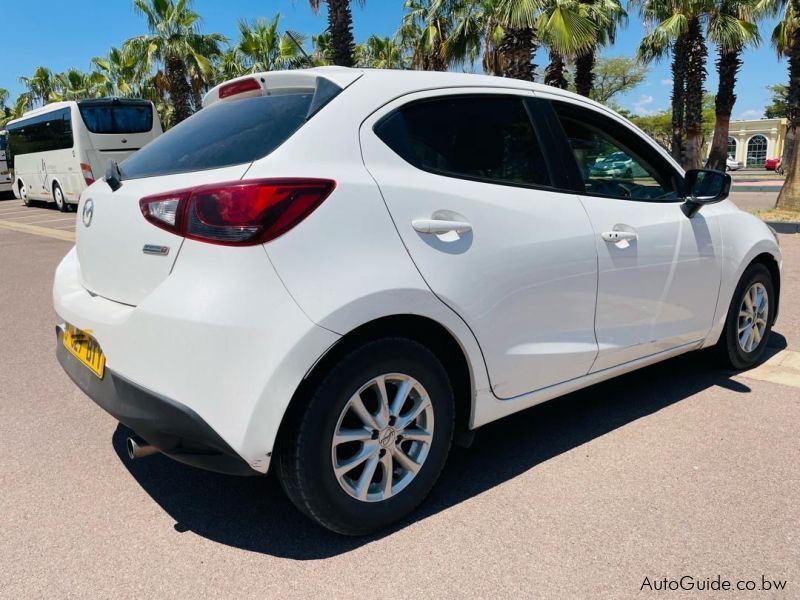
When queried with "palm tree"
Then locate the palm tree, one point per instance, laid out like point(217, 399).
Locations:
point(424, 32)
point(321, 52)
point(565, 26)
point(264, 48)
point(731, 26)
point(74, 84)
point(175, 42)
point(39, 86)
point(786, 39)
point(381, 53)
point(118, 71)
point(677, 26)
point(605, 15)
point(340, 27)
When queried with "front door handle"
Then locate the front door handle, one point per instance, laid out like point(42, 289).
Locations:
point(439, 226)
point(618, 236)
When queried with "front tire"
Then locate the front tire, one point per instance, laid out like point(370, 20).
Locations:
point(23, 193)
point(372, 439)
point(749, 322)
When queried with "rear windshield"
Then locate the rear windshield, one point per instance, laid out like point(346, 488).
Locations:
point(226, 133)
point(117, 118)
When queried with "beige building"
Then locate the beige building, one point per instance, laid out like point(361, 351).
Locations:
point(752, 142)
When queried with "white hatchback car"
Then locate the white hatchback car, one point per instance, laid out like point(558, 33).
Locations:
point(339, 272)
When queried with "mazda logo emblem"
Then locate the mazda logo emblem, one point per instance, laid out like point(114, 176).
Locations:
point(88, 212)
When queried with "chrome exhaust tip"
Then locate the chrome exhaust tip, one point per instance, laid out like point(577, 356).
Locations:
point(137, 450)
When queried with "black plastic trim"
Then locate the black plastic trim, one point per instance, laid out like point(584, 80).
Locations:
point(175, 429)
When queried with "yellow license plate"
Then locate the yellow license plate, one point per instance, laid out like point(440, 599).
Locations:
point(85, 348)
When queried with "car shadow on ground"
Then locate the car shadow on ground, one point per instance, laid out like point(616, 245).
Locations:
point(253, 514)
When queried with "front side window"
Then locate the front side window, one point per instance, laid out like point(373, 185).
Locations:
point(613, 160)
point(482, 138)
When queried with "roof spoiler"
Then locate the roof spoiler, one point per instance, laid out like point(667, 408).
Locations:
point(324, 80)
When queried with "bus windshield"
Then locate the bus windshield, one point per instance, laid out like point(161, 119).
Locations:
point(117, 116)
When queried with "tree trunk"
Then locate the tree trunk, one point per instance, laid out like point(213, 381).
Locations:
point(516, 50)
point(789, 196)
point(678, 97)
point(728, 65)
point(695, 77)
point(180, 92)
point(340, 26)
point(554, 74)
point(584, 73)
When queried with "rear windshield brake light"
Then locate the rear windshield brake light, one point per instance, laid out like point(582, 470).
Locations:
point(240, 87)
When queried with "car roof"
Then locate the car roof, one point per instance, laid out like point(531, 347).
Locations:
point(398, 81)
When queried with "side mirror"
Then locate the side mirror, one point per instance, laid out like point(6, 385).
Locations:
point(704, 186)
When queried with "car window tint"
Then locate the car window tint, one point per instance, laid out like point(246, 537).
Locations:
point(613, 160)
point(484, 138)
point(226, 133)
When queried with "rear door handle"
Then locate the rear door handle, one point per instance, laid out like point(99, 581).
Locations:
point(618, 236)
point(439, 226)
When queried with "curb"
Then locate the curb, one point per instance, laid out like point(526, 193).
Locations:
point(755, 188)
point(784, 226)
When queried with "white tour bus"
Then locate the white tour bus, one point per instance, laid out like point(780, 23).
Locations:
point(58, 150)
point(5, 172)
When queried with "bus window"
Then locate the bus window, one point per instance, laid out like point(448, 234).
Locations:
point(117, 116)
point(51, 131)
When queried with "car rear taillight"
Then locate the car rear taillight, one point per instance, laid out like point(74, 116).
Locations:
point(241, 213)
point(88, 176)
point(242, 86)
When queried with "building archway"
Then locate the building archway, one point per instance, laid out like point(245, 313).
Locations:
point(756, 151)
point(732, 147)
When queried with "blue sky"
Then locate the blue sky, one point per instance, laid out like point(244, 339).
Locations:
point(76, 30)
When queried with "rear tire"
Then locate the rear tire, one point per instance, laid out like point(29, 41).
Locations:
point(749, 322)
point(315, 453)
point(58, 196)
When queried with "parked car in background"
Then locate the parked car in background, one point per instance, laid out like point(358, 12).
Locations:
point(58, 150)
point(731, 164)
point(772, 164)
point(245, 297)
point(616, 165)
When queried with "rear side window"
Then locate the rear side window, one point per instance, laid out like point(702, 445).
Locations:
point(226, 133)
point(482, 138)
point(115, 117)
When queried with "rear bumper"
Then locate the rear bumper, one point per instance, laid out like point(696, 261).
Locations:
point(220, 338)
point(174, 429)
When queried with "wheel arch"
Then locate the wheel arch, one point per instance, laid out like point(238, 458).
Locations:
point(769, 261)
point(424, 330)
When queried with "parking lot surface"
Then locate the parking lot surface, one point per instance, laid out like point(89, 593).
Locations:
point(681, 469)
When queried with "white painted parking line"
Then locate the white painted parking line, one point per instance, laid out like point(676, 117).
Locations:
point(783, 367)
point(25, 211)
point(49, 232)
point(64, 221)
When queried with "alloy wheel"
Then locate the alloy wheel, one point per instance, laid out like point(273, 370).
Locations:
point(753, 315)
point(382, 437)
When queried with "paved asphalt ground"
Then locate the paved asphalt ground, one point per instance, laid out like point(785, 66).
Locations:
point(679, 469)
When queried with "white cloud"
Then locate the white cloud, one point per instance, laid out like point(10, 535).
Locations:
point(640, 107)
point(666, 82)
point(751, 114)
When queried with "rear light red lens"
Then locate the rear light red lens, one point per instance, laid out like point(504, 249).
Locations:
point(86, 171)
point(239, 87)
point(242, 213)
